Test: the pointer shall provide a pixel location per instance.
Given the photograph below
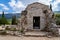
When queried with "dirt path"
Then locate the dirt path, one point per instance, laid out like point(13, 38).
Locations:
point(27, 38)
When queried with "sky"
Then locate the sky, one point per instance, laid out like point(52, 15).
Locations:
point(16, 6)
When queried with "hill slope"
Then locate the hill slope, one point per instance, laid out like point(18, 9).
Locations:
point(9, 16)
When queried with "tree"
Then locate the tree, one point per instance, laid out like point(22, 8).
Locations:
point(3, 20)
point(51, 7)
point(14, 22)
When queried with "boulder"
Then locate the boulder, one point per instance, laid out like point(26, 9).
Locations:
point(53, 29)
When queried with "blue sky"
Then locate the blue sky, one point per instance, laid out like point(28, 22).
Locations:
point(16, 6)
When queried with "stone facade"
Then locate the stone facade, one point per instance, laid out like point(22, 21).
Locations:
point(37, 10)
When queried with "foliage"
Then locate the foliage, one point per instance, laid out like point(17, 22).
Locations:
point(14, 22)
point(51, 7)
point(3, 20)
point(57, 19)
point(22, 30)
point(13, 29)
point(7, 28)
point(3, 32)
point(57, 15)
point(9, 21)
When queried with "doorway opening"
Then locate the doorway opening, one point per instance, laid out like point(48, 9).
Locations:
point(36, 22)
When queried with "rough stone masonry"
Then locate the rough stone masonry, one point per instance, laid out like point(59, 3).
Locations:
point(37, 16)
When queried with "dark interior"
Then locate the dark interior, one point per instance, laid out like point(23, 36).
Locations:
point(36, 22)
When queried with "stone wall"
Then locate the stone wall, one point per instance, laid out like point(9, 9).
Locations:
point(37, 9)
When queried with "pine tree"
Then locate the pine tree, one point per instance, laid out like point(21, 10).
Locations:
point(14, 22)
point(51, 7)
point(3, 14)
point(3, 20)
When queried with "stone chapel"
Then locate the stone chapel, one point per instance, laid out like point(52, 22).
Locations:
point(37, 16)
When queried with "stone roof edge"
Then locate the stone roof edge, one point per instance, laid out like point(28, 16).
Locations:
point(35, 3)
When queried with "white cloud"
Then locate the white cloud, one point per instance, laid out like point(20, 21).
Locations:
point(17, 6)
point(12, 3)
point(47, 2)
point(1, 4)
point(4, 7)
point(0, 12)
point(4, 12)
point(55, 5)
point(58, 0)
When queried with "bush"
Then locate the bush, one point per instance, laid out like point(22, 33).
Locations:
point(3, 33)
point(57, 19)
point(7, 28)
point(13, 29)
point(22, 30)
point(14, 21)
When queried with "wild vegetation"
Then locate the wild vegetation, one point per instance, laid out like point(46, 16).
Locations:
point(57, 16)
point(4, 21)
point(13, 20)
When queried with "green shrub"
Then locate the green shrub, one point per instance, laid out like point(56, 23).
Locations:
point(3, 33)
point(13, 29)
point(14, 21)
point(7, 28)
point(22, 30)
point(57, 19)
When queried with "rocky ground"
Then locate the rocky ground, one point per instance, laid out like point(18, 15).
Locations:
point(27, 38)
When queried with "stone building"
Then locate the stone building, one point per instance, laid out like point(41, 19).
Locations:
point(37, 16)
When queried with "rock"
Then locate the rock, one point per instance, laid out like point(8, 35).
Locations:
point(49, 36)
point(53, 29)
